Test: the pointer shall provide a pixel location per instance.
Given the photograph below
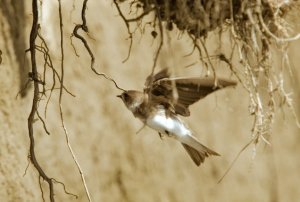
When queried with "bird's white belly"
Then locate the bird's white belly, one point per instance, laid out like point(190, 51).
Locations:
point(167, 125)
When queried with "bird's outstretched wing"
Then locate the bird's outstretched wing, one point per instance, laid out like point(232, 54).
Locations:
point(164, 73)
point(180, 93)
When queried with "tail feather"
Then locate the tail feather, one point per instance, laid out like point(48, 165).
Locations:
point(197, 151)
point(194, 154)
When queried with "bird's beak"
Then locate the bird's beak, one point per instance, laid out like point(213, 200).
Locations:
point(119, 96)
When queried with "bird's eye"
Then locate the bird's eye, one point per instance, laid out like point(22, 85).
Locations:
point(126, 96)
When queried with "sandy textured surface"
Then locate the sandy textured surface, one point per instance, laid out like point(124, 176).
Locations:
point(118, 164)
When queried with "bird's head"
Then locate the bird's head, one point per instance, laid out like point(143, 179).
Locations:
point(132, 99)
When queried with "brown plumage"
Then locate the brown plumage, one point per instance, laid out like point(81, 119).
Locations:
point(182, 92)
point(165, 98)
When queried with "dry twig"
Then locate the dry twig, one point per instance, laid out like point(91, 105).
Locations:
point(60, 105)
point(84, 27)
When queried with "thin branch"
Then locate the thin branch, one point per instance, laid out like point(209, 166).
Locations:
point(128, 21)
point(64, 187)
point(86, 45)
point(223, 58)
point(138, 18)
point(60, 101)
point(161, 38)
point(73, 46)
point(234, 160)
point(209, 61)
point(48, 61)
point(137, 132)
point(128, 30)
point(42, 120)
point(28, 163)
point(196, 46)
point(110, 79)
point(40, 185)
point(84, 27)
point(0, 57)
point(33, 36)
point(43, 48)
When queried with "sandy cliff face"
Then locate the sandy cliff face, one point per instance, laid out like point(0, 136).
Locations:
point(13, 111)
point(118, 164)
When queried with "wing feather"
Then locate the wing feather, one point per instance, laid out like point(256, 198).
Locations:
point(189, 90)
point(164, 73)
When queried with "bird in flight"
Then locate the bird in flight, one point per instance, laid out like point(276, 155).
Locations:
point(165, 99)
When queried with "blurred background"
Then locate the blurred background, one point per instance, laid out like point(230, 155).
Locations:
point(120, 165)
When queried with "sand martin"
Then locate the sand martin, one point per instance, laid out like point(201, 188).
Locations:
point(165, 99)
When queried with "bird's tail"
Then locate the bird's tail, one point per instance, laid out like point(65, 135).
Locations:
point(197, 151)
